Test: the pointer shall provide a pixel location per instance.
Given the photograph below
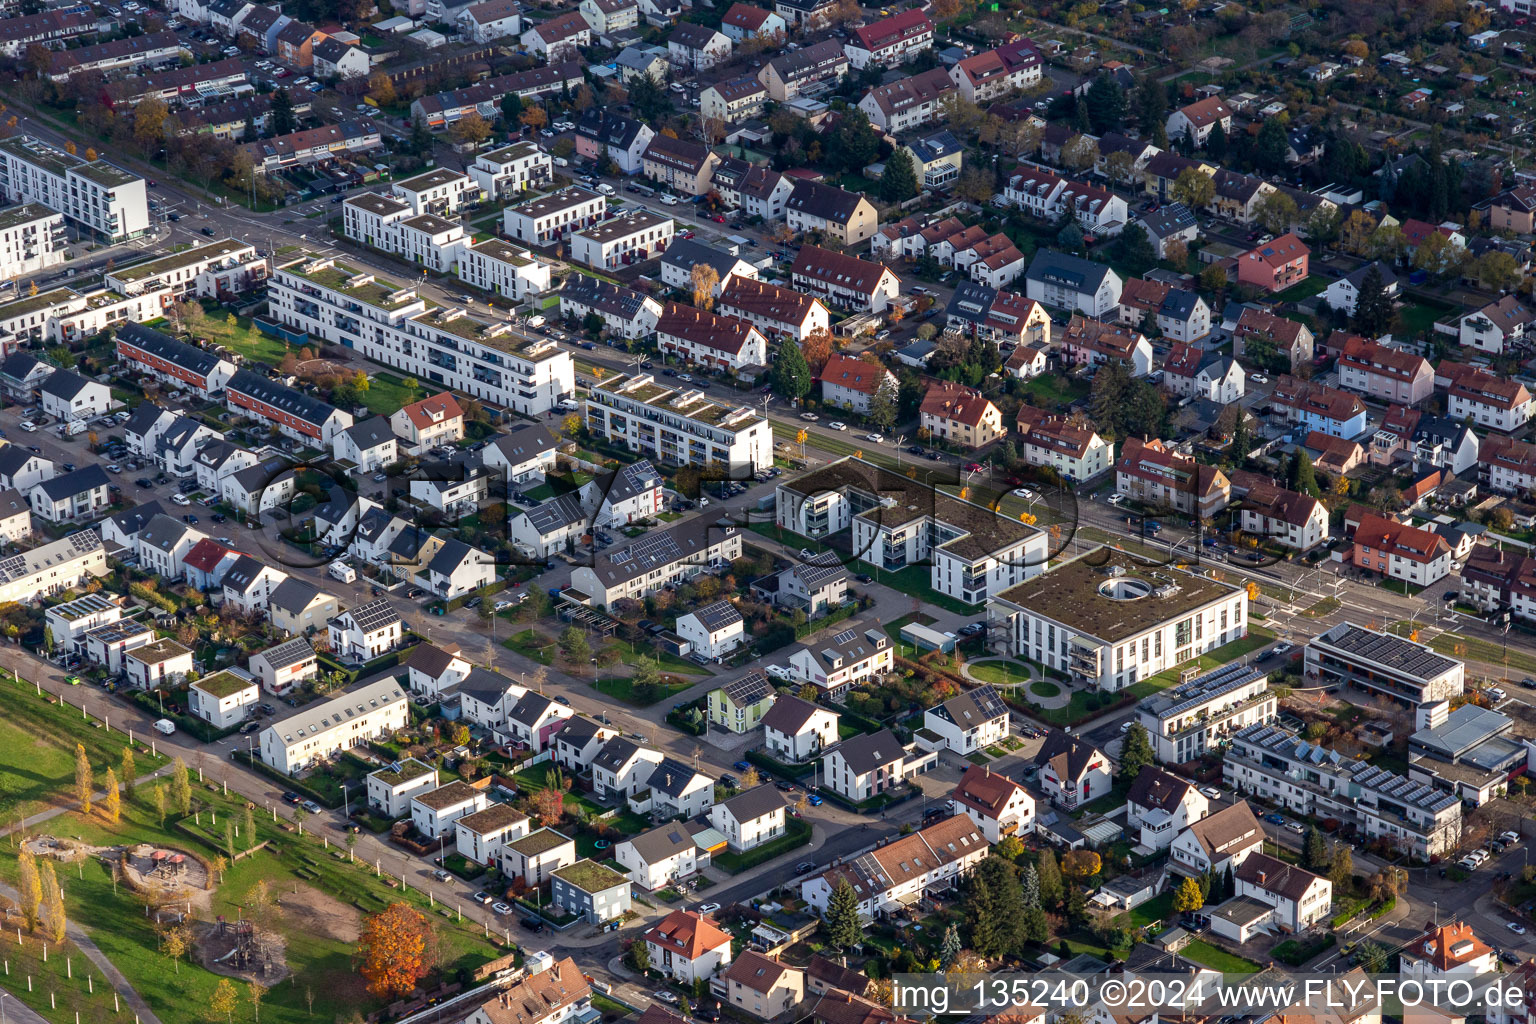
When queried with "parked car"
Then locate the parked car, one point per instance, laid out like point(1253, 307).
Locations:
point(483, 897)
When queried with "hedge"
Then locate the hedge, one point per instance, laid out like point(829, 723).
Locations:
point(288, 781)
point(774, 766)
point(798, 834)
point(1296, 953)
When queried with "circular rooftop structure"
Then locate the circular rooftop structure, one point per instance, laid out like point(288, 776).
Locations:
point(1125, 588)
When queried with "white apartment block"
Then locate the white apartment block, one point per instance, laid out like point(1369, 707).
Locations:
point(438, 191)
point(503, 268)
point(547, 219)
point(338, 724)
point(94, 195)
point(655, 560)
point(1194, 718)
point(31, 240)
point(678, 427)
point(1114, 628)
point(629, 238)
point(391, 325)
point(510, 170)
point(216, 270)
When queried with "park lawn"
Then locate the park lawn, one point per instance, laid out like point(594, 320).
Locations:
point(387, 393)
point(624, 689)
point(1202, 952)
point(531, 645)
point(37, 750)
point(1487, 651)
point(243, 338)
point(1006, 672)
point(628, 655)
point(1257, 637)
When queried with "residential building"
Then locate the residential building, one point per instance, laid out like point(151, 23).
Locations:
point(1298, 899)
point(1069, 282)
point(1284, 517)
point(629, 238)
point(908, 103)
point(560, 38)
point(480, 836)
point(366, 632)
point(223, 699)
point(673, 789)
point(551, 994)
point(610, 17)
point(960, 415)
point(1289, 337)
point(762, 986)
point(890, 41)
point(776, 311)
point(757, 190)
point(391, 788)
point(996, 804)
point(510, 170)
point(1385, 374)
point(1086, 620)
point(848, 658)
point(1447, 952)
point(1196, 121)
point(602, 135)
point(1217, 842)
point(1004, 317)
point(1088, 342)
point(865, 765)
point(844, 281)
point(248, 584)
point(1480, 397)
point(282, 667)
point(795, 730)
point(505, 269)
point(750, 819)
point(536, 856)
point(890, 878)
point(687, 946)
point(715, 342)
point(682, 165)
point(678, 427)
point(995, 73)
point(1155, 473)
point(714, 630)
point(82, 494)
point(684, 254)
point(624, 313)
point(1162, 805)
point(1075, 453)
point(1190, 371)
point(549, 218)
point(743, 21)
point(697, 47)
point(96, 196)
point(733, 100)
point(1311, 406)
point(851, 384)
point(970, 722)
point(845, 218)
point(740, 705)
point(15, 517)
point(1382, 663)
point(1345, 292)
point(1414, 817)
point(434, 813)
point(590, 892)
point(808, 71)
point(319, 730)
point(972, 551)
point(578, 741)
point(666, 854)
point(492, 19)
point(291, 412)
point(68, 396)
point(623, 767)
point(69, 621)
point(1275, 266)
point(937, 159)
point(161, 663)
point(428, 423)
point(31, 240)
point(1399, 551)
point(1073, 772)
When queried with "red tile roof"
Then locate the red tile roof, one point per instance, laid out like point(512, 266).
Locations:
point(854, 374)
point(688, 933)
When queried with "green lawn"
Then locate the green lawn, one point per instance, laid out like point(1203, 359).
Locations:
point(1045, 688)
point(624, 690)
point(1257, 637)
point(1487, 651)
point(797, 833)
point(1202, 952)
point(387, 393)
point(1158, 908)
point(916, 581)
point(531, 645)
point(1008, 672)
point(628, 655)
point(243, 338)
point(1313, 285)
point(37, 750)
point(1052, 391)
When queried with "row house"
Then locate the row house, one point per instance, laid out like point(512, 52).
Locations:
point(1009, 68)
point(890, 41)
point(1383, 373)
point(1075, 453)
point(1313, 406)
point(484, 97)
point(1507, 466)
point(846, 282)
point(294, 413)
point(679, 164)
point(1088, 342)
point(755, 190)
point(776, 311)
point(1425, 440)
point(1154, 473)
point(177, 363)
point(890, 878)
point(733, 100)
point(1400, 551)
point(910, 102)
point(632, 237)
point(711, 340)
point(1484, 398)
point(218, 270)
point(505, 172)
point(684, 254)
point(624, 312)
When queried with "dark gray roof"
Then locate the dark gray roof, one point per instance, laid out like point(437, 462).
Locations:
point(530, 708)
point(293, 595)
point(63, 384)
point(671, 777)
point(453, 554)
point(20, 366)
point(870, 750)
point(789, 714)
point(371, 433)
point(86, 478)
point(616, 753)
point(256, 478)
point(13, 458)
point(1388, 277)
point(660, 843)
point(1179, 304)
point(163, 346)
point(685, 252)
point(973, 707)
point(853, 644)
point(603, 296)
point(295, 403)
point(579, 730)
point(557, 513)
point(827, 202)
point(243, 574)
point(686, 543)
point(484, 685)
point(627, 481)
point(523, 443)
point(755, 803)
point(1067, 271)
point(143, 418)
point(183, 431)
point(1169, 220)
point(609, 129)
point(133, 520)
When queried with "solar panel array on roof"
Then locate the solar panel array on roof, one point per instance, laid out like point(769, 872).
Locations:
point(1203, 689)
point(846, 636)
point(1385, 649)
point(374, 615)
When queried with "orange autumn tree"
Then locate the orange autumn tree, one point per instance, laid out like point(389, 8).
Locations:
point(392, 952)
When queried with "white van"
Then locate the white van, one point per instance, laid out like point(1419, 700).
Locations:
point(166, 726)
point(669, 200)
point(605, 188)
point(342, 571)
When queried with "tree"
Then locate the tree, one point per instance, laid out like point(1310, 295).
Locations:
point(1342, 870)
point(181, 787)
point(705, 279)
point(1080, 865)
point(1188, 896)
point(844, 929)
point(1373, 307)
point(1277, 212)
point(1271, 147)
point(53, 920)
point(1135, 752)
point(975, 184)
point(574, 647)
point(817, 349)
point(882, 407)
point(534, 117)
point(994, 908)
point(1372, 957)
point(640, 953)
point(392, 951)
point(280, 120)
point(950, 950)
point(791, 373)
point(750, 779)
point(250, 826)
point(1497, 270)
point(899, 182)
point(1314, 851)
point(381, 89)
point(471, 129)
point(1302, 477)
point(256, 993)
point(1194, 188)
point(1079, 153)
point(652, 103)
point(1036, 927)
point(128, 771)
point(1105, 100)
point(173, 943)
point(223, 1001)
point(1029, 886)
point(1216, 142)
point(1050, 878)
point(1213, 278)
point(85, 782)
point(1133, 248)
point(113, 807)
point(29, 886)
point(158, 801)
point(1387, 243)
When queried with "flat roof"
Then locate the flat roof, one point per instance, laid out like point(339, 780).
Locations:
point(224, 684)
point(25, 214)
point(1074, 594)
point(1462, 730)
point(590, 876)
point(335, 275)
point(177, 260)
point(1386, 649)
point(402, 772)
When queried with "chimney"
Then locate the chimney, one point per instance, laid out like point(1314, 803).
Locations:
point(1261, 877)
